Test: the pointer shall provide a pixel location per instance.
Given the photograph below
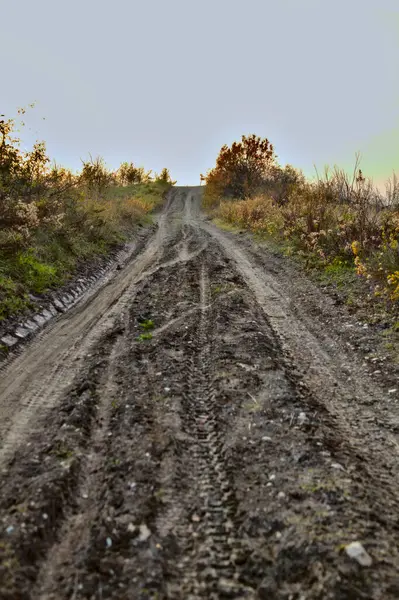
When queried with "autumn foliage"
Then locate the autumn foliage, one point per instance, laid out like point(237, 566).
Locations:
point(241, 168)
point(337, 221)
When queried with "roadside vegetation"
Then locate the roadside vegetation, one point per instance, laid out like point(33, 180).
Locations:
point(51, 219)
point(338, 224)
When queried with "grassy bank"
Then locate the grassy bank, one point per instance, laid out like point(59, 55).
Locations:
point(51, 220)
point(52, 254)
point(338, 225)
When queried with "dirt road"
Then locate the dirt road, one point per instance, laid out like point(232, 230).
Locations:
point(188, 433)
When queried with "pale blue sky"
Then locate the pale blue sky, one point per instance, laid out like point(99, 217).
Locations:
point(166, 83)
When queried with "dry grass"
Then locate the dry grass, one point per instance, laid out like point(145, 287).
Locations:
point(337, 220)
point(52, 219)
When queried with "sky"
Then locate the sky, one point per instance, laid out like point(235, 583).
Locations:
point(168, 82)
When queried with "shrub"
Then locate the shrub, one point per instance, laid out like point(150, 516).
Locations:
point(50, 219)
point(240, 169)
point(337, 221)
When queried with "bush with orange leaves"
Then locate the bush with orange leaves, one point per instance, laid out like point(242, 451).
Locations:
point(336, 219)
point(240, 169)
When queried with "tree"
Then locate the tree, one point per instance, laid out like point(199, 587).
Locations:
point(30, 190)
point(165, 177)
point(128, 174)
point(242, 168)
point(95, 175)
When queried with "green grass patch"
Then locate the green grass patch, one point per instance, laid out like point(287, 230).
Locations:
point(38, 276)
point(339, 272)
point(226, 226)
point(144, 337)
point(147, 325)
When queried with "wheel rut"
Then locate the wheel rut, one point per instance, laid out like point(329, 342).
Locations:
point(209, 569)
point(74, 535)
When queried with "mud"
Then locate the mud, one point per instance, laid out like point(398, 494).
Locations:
point(185, 434)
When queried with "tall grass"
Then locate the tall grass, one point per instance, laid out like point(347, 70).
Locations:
point(51, 219)
point(337, 219)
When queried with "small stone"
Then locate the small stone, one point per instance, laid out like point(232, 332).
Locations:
point(45, 516)
point(356, 551)
point(59, 305)
point(392, 390)
point(108, 542)
point(40, 320)
point(85, 496)
point(10, 529)
point(47, 314)
point(272, 477)
point(9, 340)
point(31, 325)
point(266, 438)
point(302, 418)
point(167, 389)
point(195, 518)
point(337, 466)
point(53, 310)
point(22, 332)
point(131, 528)
point(281, 495)
point(144, 533)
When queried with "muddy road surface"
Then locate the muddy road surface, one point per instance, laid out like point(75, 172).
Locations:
point(186, 433)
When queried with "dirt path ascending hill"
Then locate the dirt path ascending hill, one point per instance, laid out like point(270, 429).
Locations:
point(189, 434)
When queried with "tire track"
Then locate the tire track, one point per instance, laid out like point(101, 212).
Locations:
point(209, 568)
point(75, 533)
point(59, 352)
point(36, 508)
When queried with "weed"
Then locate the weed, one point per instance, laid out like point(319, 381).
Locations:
point(144, 337)
point(147, 325)
point(38, 276)
point(63, 452)
point(160, 495)
point(217, 289)
point(223, 288)
point(158, 398)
